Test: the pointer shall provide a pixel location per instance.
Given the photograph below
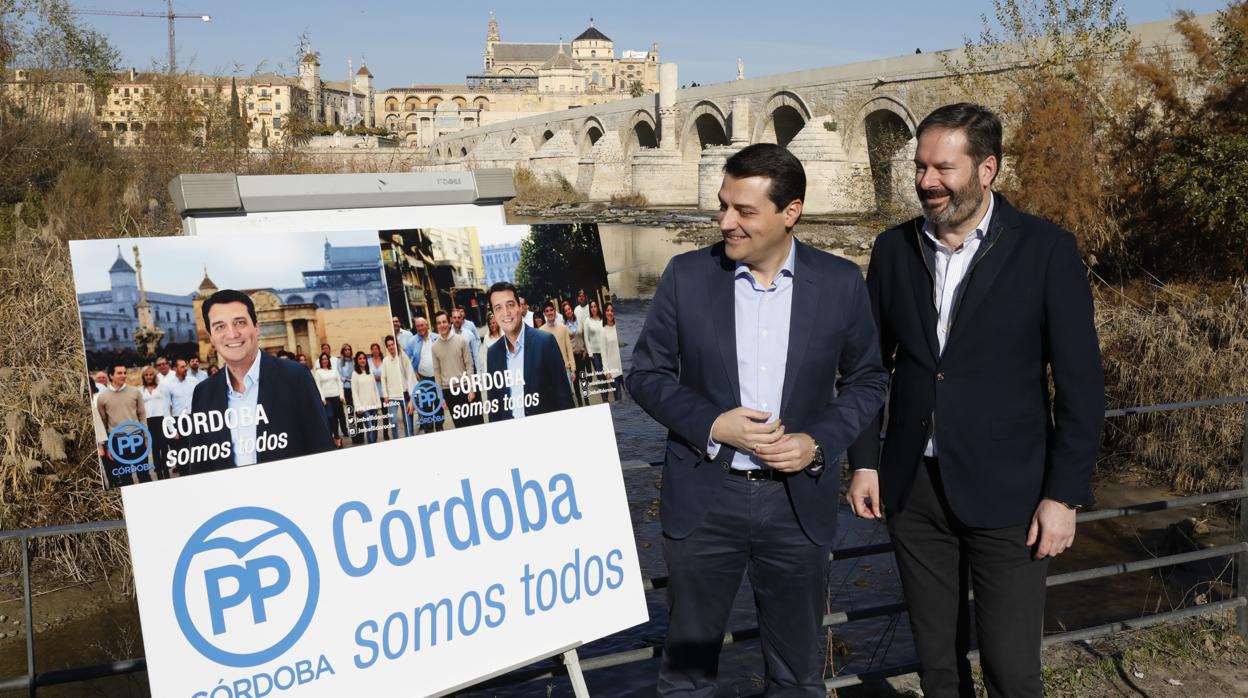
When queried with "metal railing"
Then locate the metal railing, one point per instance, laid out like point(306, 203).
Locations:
point(557, 668)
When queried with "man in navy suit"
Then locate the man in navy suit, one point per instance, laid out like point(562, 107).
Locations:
point(980, 475)
point(529, 354)
point(294, 421)
point(760, 357)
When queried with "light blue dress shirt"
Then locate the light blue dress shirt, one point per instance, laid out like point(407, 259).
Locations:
point(762, 331)
point(515, 366)
point(248, 399)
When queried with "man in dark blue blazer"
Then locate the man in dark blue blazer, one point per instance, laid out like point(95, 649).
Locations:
point(546, 387)
point(252, 382)
point(760, 356)
point(978, 306)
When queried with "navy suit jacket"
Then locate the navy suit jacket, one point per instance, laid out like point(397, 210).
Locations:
point(1023, 314)
point(684, 374)
point(291, 402)
point(545, 376)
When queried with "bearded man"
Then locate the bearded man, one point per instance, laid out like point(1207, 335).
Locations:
point(978, 306)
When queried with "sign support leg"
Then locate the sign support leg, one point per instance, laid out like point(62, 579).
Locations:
point(573, 663)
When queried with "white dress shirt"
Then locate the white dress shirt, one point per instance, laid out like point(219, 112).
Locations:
point(949, 269)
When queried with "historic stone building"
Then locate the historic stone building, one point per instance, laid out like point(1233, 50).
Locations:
point(111, 318)
point(341, 102)
point(137, 104)
point(589, 66)
point(518, 80)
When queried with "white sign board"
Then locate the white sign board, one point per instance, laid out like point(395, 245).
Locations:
point(412, 567)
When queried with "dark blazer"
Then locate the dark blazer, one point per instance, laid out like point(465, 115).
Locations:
point(684, 374)
point(292, 405)
point(544, 375)
point(1024, 311)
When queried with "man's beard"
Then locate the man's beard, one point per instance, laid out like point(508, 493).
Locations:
point(963, 203)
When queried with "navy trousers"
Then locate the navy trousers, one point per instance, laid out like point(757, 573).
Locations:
point(750, 529)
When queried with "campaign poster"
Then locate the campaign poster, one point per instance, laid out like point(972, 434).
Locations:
point(207, 353)
point(532, 304)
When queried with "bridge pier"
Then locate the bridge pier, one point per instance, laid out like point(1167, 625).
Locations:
point(711, 173)
point(603, 174)
point(664, 178)
point(557, 158)
point(834, 184)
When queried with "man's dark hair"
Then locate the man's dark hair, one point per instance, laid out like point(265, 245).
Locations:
point(228, 295)
point(499, 287)
point(388, 339)
point(788, 178)
point(113, 368)
point(288, 355)
point(982, 127)
point(549, 305)
point(440, 313)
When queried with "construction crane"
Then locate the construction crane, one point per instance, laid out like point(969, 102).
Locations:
point(169, 15)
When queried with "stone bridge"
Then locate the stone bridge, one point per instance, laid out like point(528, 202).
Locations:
point(852, 126)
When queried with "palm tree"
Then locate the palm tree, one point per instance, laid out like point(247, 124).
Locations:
point(635, 89)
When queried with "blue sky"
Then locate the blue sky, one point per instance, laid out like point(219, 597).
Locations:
point(234, 260)
point(435, 42)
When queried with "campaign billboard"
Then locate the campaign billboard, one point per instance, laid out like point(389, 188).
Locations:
point(396, 331)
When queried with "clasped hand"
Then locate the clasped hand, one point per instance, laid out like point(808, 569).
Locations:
point(748, 430)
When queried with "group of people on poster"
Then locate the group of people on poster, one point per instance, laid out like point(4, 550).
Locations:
point(447, 373)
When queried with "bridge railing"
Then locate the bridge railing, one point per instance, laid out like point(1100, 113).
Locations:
point(1236, 551)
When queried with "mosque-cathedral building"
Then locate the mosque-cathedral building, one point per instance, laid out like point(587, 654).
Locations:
point(518, 80)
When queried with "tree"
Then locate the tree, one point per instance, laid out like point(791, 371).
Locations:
point(1182, 155)
point(636, 89)
point(45, 35)
point(556, 261)
point(1048, 67)
point(238, 131)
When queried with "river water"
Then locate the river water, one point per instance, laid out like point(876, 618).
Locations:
point(635, 258)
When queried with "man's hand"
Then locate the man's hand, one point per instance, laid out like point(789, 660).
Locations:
point(745, 429)
point(864, 487)
point(789, 454)
point(100, 449)
point(1053, 527)
point(411, 408)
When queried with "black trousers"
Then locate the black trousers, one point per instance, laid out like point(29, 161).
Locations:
point(460, 401)
point(160, 450)
point(751, 529)
point(938, 559)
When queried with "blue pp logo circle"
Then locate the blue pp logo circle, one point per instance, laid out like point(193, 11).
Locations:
point(428, 398)
point(129, 443)
point(245, 587)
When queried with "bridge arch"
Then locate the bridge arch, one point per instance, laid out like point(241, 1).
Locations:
point(541, 135)
point(642, 132)
point(705, 126)
point(783, 117)
point(883, 136)
point(591, 130)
